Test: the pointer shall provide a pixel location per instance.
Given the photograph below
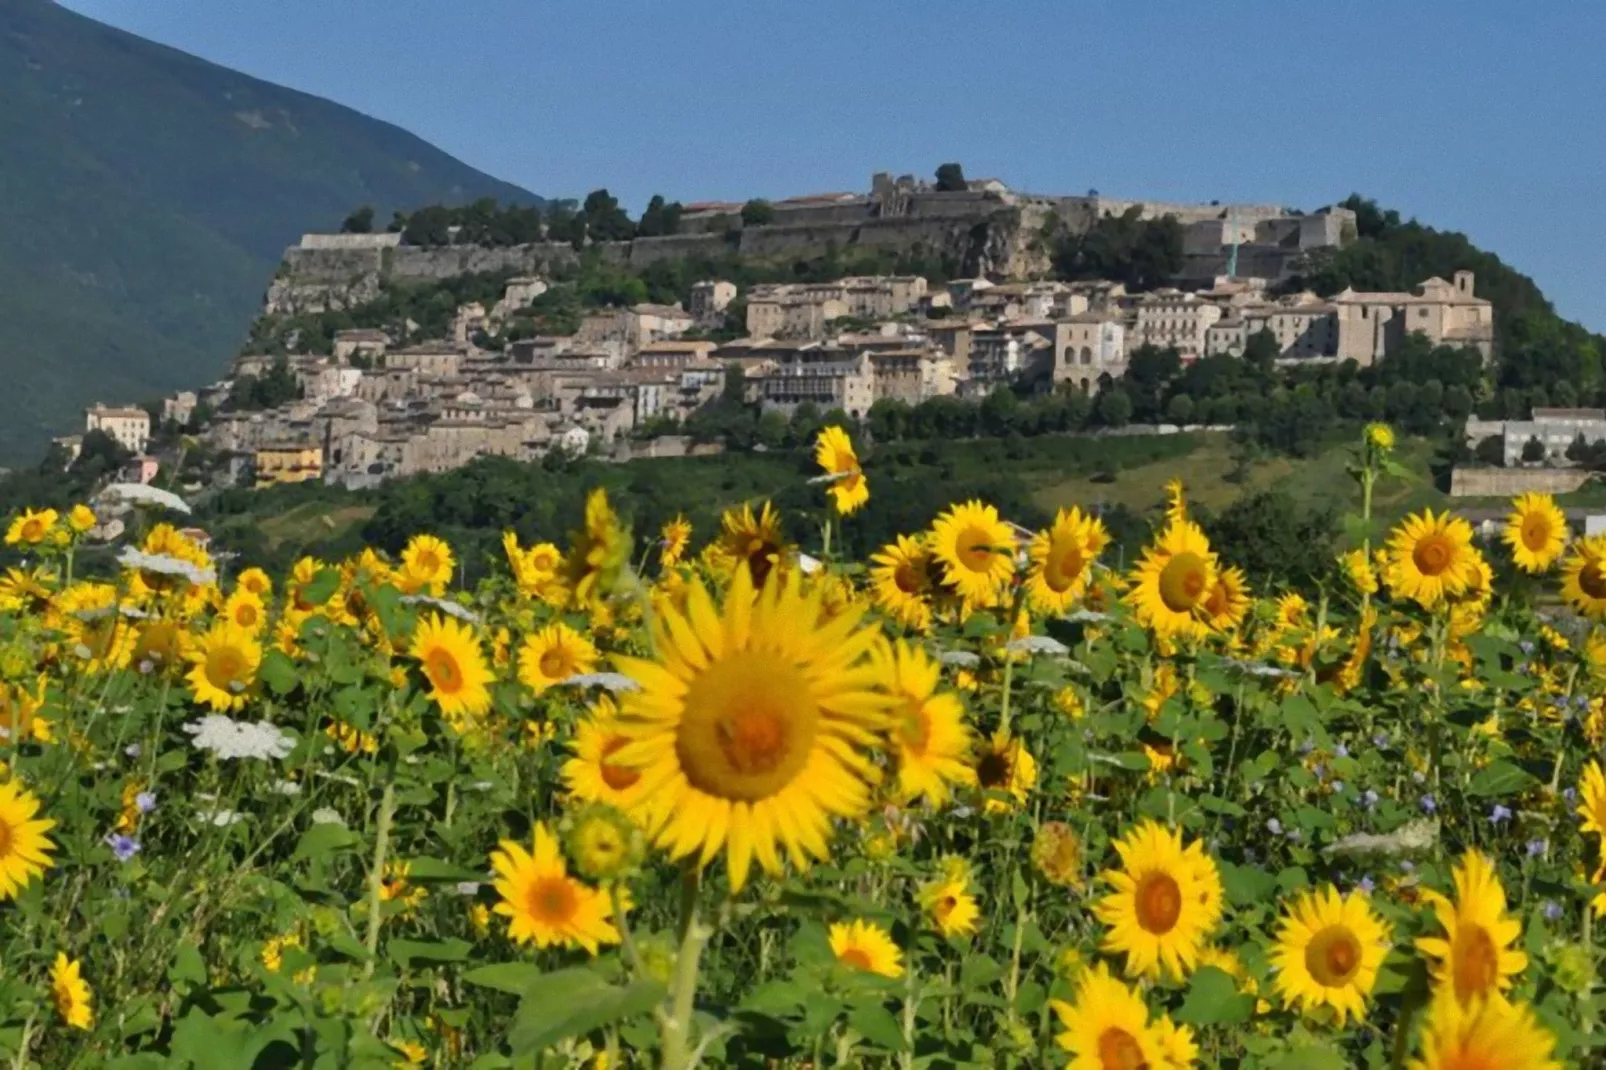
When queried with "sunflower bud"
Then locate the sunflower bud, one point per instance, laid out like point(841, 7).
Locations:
point(1057, 854)
point(603, 843)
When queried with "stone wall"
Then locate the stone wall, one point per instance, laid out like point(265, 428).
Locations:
point(1508, 482)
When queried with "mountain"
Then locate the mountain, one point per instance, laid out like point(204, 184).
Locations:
point(145, 199)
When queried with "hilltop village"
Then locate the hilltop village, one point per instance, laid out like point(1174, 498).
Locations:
point(382, 402)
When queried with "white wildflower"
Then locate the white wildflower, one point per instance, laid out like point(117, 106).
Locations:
point(608, 681)
point(166, 565)
point(144, 494)
point(325, 816)
point(1085, 616)
point(445, 605)
point(468, 887)
point(228, 738)
point(964, 659)
point(809, 565)
point(219, 818)
point(1036, 644)
point(285, 787)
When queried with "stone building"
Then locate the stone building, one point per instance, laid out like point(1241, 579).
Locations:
point(847, 384)
point(709, 300)
point(286, 462)
point(129, 425)
point(1448, 313)
point(912, 375)
point(1005, 352)
point(180, 407)
point(367, 345)
point(1171, 318)
point(1094, 345)
point(1554, 429)
point(672, 354)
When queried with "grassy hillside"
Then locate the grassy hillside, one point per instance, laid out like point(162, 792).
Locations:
point(148, 196)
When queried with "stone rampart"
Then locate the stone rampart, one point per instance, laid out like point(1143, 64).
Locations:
point(1509, 482)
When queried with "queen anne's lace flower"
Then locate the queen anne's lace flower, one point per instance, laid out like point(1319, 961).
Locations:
point(445, 605)
point(1036, 644)
point(144, 494)
point(608, 681)
point(228, 738)
point(166, 565)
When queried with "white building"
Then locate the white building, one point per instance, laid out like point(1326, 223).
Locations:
point(130, 426)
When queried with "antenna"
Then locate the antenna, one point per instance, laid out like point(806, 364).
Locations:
point(1232, 258)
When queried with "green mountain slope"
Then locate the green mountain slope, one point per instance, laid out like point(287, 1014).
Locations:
point(145, 199)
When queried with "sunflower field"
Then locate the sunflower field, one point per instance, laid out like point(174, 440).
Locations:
point(725, 799)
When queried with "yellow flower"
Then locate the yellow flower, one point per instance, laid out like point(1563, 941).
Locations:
point(543, 903)
point(1431, 558)
point(245, 611)
point(1329, 949)
point(833, 452)
point(672, 542)
point(1062, 560)
point(1228, 601)
point(19, 712)
point(352, 739)
point(1583, 576)
point(1006, 771)
point(554, 654)
point(81, 518)
point(256, 581)
point(753, 538)
point(1107, 1027)
point(1057, 854)
point(604, 844)
point(412, 1052)
point(1489, 1034)
point(929, 736)
point(977, 552)
point(1164, 901)
point(426, 565)
point(1592, 799)
point(1380, 437)
point(750, 730)
point(1359, 571)
point(30, 528)
point(1172, 583)
point(597, 552)
point(273, 949)
point(1474, 958)
point(453, 665)
point(24, 847)
point(591, 774)
point(224, 667)
point(864, 945)
point(1536, 531)
point(74, 1001)
point(950, 906)
point(901, 582)
point(1176, 502)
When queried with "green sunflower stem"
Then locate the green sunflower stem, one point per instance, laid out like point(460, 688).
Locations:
point(675, 1030)
point(376, 877)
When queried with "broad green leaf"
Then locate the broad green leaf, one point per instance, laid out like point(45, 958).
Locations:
point(404, 952)
point(1213, 999)
point(279, 673)
point(433, 869)
point(569, 1003)
point(321, 841)
point(1501, 778)
point(877, 1025)
point(514, 977)
point(1246, 885)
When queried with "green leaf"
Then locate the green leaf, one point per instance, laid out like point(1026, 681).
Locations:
point(1309, 1059)
point(1213, 999)
point(1501, 778)
point(404, 952)
point(979, 971)
point(279, 673)
point(321, 841)
point(1214, 804)
point(322, 587)
point(1246, 885)
point(877, 1025)
point(188, 968)
point(433, 869)
point(514, 977)
point(574, 1002)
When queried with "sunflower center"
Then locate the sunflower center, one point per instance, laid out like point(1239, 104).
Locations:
point(246, 615)
point(7, 838)
point(33, 530)
point(1433, 554)
point(994, 770)
point(974, 548)
point(617, 777)
point(555, 664)
point(427, 562)
point(1158, 903)
point(1182, 581)
point(225, 665)
point(1120, 1050)
point(907, 578)
point(551, 900)
point(1476, 963)
point(915, 729)
point(1066, 564)
point(543, 561)
point(1333, 956)
point(1535, 533)
point(857, 957)
point(1592, 579)
point(748, 728)
point(444, 671)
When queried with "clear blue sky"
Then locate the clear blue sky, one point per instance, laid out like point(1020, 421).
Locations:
point(1480, 115)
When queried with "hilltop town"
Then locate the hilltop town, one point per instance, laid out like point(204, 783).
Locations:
point(625, 379)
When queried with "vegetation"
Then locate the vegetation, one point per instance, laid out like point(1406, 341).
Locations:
point(1141, 253)
point(134, 265)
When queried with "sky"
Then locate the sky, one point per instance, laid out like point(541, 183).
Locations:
point(1479, 116)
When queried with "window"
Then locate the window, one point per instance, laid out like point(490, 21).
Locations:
point(1421, 313)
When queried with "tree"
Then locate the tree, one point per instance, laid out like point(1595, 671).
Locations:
point(1114, 407)
point(757, 213)
point(605, 220)
point(1180, 409)
point(659, 219)
point(951, 179)
point(1268, 535)
point(1142, 253)
point(1533, 451)
point(1491, 450)
point(1261, 351)
point(359, 222)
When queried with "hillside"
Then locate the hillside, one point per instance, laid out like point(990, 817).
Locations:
point(148, 196)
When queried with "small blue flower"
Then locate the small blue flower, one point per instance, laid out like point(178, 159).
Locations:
point(1527, 646)
point(1369, 798)
point(1407, 866)
point(1307, 746)
point(145, 802)
point(1338, 787)
point(1569, 795)
point(124, 847)
point(1429, 804)
point(1499, 814)
point(1366, 884)
point(1553, 911)
point(1536, 848)
point(1581, 701)
point(1274, 826)
point(1380, 739)
point(1341, 751)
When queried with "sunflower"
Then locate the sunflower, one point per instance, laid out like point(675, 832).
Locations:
point(1006, 770)
point(224, 666)
point(19, 711)
point(186, 590)
point(1431, 557)
point(1592, 800)
point(426, 565)
point(543, 903)
point(1536, 531)
point(1292, 612)
point(30, 528)
point(977, 551)
point(900, 582)
point(672, 541)
point(74, 1002)
point(1358, 570)
point(1171, 584)
point(1228, 601)
point(1329, 948)
point(591, 774)
point(1475, 955)
point(864, 945)
point(950, 906)
point(1176, 502)
point(929, 735)
point(256, 581)
point(303, 583)
point(453, 665)
point(26, 589)
point(1485, 1035)
point(1164, 902)
point(598, 551)
point(552, 655)
point(1062, 560)
point(750, 729)
point(753, 538)
point(1583, 576)
point(245, 611)
point(1107, 1026)
point(81, 518)
point(1348, 675)
point(833, 452)
point(1380, 437)
point(24, 847)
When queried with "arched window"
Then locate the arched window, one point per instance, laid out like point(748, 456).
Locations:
point(1087, 355)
